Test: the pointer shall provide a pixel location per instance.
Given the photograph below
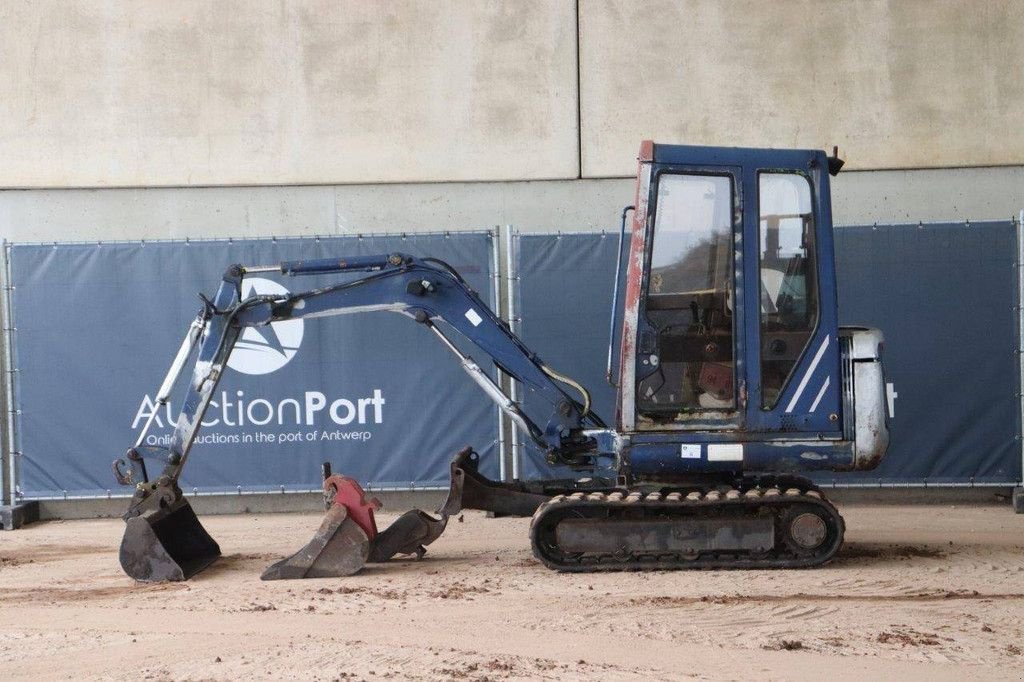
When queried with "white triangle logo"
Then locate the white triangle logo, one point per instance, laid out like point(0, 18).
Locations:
point(262, 350)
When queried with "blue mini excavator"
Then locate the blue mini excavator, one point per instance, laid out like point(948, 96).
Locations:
point(734, 380)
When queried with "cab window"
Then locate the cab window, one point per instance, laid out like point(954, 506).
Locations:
point(789, 292)
point(689, 299)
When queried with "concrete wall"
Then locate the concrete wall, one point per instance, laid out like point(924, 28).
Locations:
point(189, 93)
point(219, 92)
point(571, 205)
point(896, 84)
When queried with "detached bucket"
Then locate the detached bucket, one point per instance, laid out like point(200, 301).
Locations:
point(340, 547)
point(347, 538)
point(169, 544)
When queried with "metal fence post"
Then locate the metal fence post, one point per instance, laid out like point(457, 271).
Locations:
point(10, 407)
point(6, 451)
point(1020, 341)
point(496, 306)
point(513, 322)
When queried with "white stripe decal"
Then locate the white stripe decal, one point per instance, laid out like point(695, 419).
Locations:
point(824, 387)
point(807, 376)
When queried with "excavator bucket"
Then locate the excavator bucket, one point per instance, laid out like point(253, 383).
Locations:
point(348, 539)
point(169, 544)
point(339, 548)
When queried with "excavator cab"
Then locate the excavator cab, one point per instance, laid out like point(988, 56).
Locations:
point(734, 379)
point(732, 355)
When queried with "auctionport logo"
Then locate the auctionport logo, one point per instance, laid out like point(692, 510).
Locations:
point(262, 350)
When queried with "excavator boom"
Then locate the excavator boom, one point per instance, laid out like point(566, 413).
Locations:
point(164, 539)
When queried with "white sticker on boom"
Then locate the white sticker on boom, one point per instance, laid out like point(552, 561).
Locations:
point(725, 452)
point(474, 317)
point(689, 450)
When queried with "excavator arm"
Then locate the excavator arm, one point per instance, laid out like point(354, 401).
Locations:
point(427, 291)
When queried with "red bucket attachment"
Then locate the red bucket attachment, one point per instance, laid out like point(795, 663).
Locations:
point(346, 492)
point(339, 548)
point(348, 537)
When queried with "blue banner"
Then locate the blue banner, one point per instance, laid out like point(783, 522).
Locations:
point(943, 294)
point(564, 287)
point(374, 393)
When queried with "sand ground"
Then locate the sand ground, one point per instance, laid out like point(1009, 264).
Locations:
point(917, 593)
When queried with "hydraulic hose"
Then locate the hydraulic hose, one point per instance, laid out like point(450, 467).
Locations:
point(571, 382)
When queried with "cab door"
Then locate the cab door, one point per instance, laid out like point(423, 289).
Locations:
point(690, 345)
point(792, 331)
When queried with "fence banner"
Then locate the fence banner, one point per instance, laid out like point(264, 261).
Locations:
point(564, 293)
point(97, 326)
point(945, 295)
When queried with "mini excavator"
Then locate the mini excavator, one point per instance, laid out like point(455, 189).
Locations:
point(734, 382)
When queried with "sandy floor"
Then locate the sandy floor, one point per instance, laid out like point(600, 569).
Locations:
point(917, 593)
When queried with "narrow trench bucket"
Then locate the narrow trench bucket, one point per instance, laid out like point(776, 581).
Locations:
point(339, 547)
point(348, 538)
point(169, 544)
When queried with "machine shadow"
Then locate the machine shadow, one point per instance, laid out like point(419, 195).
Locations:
point(870, 553)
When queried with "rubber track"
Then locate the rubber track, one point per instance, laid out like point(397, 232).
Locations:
point(751, 502)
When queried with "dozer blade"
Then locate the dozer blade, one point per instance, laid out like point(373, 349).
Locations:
point(169, 544)
point(339, 548)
